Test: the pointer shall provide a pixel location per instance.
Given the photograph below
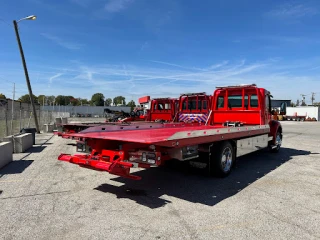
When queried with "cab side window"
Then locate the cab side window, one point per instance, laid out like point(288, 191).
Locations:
point(204, 104)
point(161, 107)
point(235, 101)
point(199, 104)
point(267, 102)
point(253, 101)
point(220, 102)
point(192, 105)
point(184, 105)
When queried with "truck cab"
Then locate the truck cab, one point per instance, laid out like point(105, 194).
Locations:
point(243, 104)
point(155, 110)
point(162, 110)
point(194, 107)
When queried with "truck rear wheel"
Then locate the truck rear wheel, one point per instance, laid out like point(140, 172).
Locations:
point(221, 159)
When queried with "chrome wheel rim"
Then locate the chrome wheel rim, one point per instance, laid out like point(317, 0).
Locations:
point(226, 159)
point(278, 140)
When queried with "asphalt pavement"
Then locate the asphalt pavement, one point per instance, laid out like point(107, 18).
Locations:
point(267, 196)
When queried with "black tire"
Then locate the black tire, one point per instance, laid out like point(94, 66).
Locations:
point(132, 114)
point(278, 143)
point(222, 159)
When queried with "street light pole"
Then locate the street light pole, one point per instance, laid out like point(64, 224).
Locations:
point(26, 73)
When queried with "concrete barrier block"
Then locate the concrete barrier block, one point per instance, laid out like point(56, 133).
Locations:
point(64, 120)
point(5, 153)
point(58, 121)
point(48, 128)
point(9, 139)
point(23, 142)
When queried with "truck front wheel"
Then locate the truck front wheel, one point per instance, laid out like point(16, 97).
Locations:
point(278, 142)
point(221, 159)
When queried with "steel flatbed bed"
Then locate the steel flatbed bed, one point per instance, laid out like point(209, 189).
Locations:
point(166, 136)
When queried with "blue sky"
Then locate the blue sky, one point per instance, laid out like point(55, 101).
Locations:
point(161, 48)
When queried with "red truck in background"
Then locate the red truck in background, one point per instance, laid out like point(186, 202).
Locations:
point(194, 107)
point(233, 122)
point(155, 110)
point(162, 110)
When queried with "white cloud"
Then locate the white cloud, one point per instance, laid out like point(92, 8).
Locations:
point(169, 64)
point(53, 77)
point(218, 65)
point(63, 43)
point(117, 5)
point(292, 11)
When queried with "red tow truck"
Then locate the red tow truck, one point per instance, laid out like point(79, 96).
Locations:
point(235, 121)
point(155, 110)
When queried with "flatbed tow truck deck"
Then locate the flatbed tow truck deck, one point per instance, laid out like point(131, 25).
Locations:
point(238, 122)
point(164, 136)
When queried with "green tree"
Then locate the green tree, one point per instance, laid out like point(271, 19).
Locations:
point(75, 102)
point(84, 101)
point(2, 96)
point(26, 98)
point(119, 100)
point(42, 99)
point(67, 100)
point(50, 99)
point(131, 104)
point(108, 102)
point(60, 100)
point(97, 99)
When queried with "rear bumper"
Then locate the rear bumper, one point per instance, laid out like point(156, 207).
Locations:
point(97, 162)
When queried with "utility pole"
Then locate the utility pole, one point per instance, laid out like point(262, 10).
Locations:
point(312, 97)
point(27, 76)
point(303, 99)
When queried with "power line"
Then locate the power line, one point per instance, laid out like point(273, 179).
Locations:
point(4, 21)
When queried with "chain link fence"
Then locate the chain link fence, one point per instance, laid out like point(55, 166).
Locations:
point(15, 116)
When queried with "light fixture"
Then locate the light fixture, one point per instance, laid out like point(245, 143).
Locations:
point(31, 17)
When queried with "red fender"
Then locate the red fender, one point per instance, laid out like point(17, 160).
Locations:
point(275, 126)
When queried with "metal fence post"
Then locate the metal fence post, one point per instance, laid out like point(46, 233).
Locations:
point(6, 116)
point(20, 118)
